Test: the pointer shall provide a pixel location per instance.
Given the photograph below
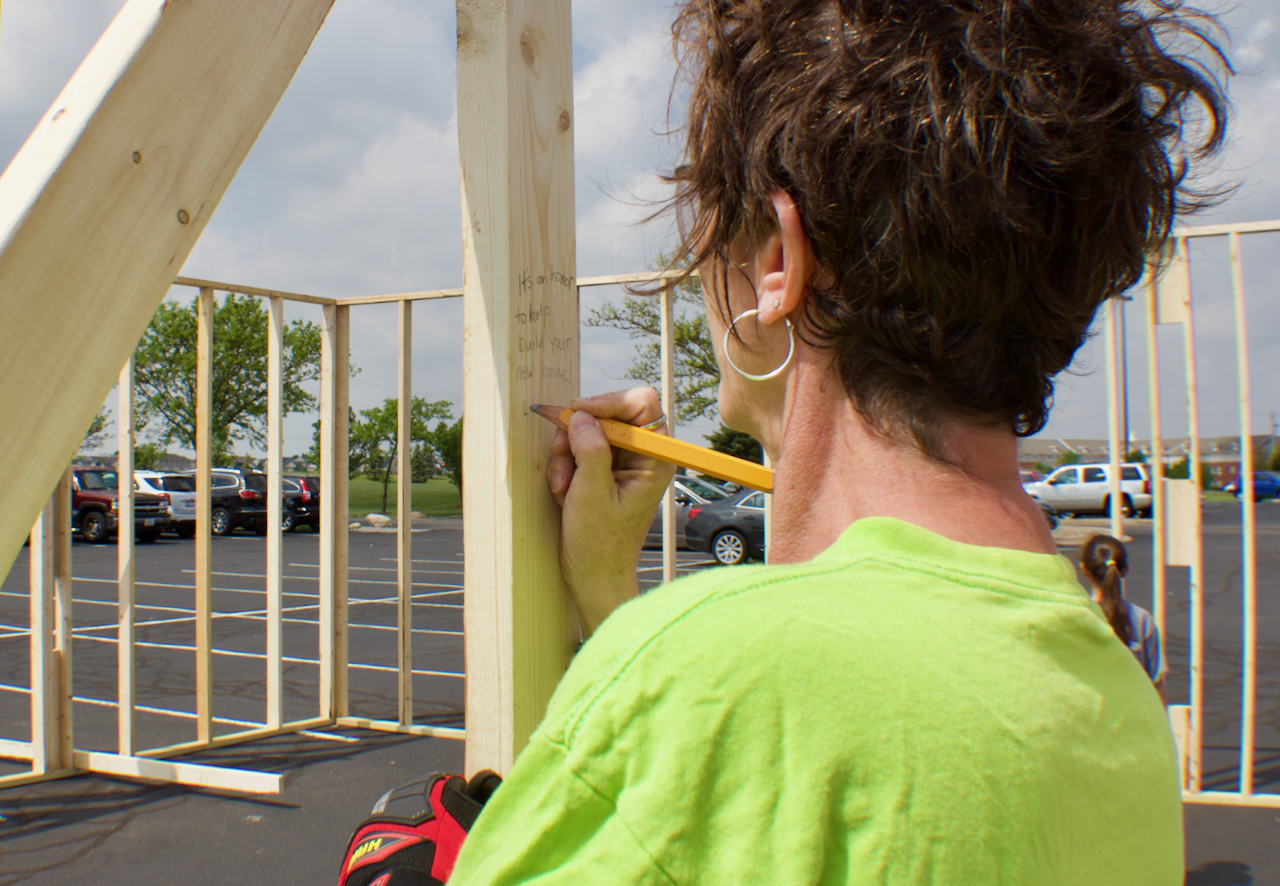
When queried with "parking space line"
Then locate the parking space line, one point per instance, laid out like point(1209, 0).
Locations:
point(232, 653)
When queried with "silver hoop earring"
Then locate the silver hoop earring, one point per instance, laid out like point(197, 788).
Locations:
point(791, 335)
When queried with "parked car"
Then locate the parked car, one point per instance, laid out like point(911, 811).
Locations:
point(1265, 485)
point(689, 491)
point(302, 503)
point(1027, 475)
point(1079, 489)
point(239, 500)
point(95, 507)
point(731, 529)
point(181, 490)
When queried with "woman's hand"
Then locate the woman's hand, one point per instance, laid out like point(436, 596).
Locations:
point(609, 499)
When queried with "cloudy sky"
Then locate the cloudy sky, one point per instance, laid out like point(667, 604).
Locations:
point(352, 189)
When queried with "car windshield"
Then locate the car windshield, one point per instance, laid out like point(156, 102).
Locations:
point(178, 484)
point(704, 489)
point(97, 479)
point(256, 481)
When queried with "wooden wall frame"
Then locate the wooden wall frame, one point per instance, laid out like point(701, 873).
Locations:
point(122, 174)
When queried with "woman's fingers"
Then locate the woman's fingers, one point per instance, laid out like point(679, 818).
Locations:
point(634, 406)
point(591, 452)
point(561, 466)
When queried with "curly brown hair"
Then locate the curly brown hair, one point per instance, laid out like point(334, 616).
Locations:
point(977, 176)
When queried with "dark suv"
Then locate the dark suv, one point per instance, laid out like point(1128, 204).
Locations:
point(302, 502)
point(95, 503)
point(239, 499)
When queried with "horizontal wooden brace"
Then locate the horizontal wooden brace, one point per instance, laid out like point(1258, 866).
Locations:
point(18, 779)
point(400, 296)
point(1260, 227)
point(642, 277)
point(1231, 798)
point(253, 290)
point(11, 749)
point(191, 774)
point(393, 726)
point(190, 747)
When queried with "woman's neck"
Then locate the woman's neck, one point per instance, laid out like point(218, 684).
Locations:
point(831, 469)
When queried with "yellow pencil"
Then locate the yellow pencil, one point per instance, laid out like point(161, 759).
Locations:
point(669, 449)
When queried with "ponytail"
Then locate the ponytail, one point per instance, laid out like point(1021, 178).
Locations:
point(1104, 561)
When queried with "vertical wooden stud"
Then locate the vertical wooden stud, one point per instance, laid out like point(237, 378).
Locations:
point(520, 334)
point(1195, 576)
point(62, 612)
point(1155, 466)
point(341, 486)
point(1115, 494)
point(275, 509)
point(404, 526)
point(204, 512)
point(334, 445)
point(669, 540)
point(125, 550)
point(1249, 571)
point(46, 747)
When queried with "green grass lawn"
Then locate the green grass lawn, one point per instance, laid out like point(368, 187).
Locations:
point(435, 498)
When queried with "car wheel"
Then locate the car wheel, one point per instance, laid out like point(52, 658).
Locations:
point(729, 547)
point(221, 522)
point(151, 536)
point(1126, 506)
point(286, 521)
point(94, 526)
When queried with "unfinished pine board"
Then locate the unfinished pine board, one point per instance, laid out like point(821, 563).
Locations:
point(334, 512)
point(125, 561)
point(102, 205)
point(204, 513)
point(1248, 525)
point(252, 290)
point(190, 774)
point(669, 540)
point(404, 523)
point(520, 339)
point(1115, 497)
point(400, 297)
point(1156, 465)
point(275, 510)
point(45, 708)
point(62, 588)
point(1195, 572)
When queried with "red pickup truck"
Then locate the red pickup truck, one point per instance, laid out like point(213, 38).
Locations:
point(94, 507)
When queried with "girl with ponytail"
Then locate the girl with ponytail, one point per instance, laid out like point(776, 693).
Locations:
point(1105, 562)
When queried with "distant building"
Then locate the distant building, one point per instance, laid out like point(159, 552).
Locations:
point(1219, 455)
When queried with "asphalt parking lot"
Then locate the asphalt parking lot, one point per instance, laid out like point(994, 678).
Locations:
point(117, 831)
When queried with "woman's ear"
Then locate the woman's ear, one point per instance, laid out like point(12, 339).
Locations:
point(785, 263)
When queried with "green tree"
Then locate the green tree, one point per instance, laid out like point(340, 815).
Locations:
point(447, 440)
point(374, 436)
point(696, 375)
point(96, 434)
point(422, 463)
point(1042, 467)
point(1136, 456)
point(736, 443)
point(147, 457)
point(1068, 458)
point(166, 373)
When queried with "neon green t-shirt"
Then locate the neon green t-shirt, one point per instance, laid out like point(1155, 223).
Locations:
point(902, 709)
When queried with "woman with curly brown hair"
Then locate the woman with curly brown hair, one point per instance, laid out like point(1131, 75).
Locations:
point(905, 214)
